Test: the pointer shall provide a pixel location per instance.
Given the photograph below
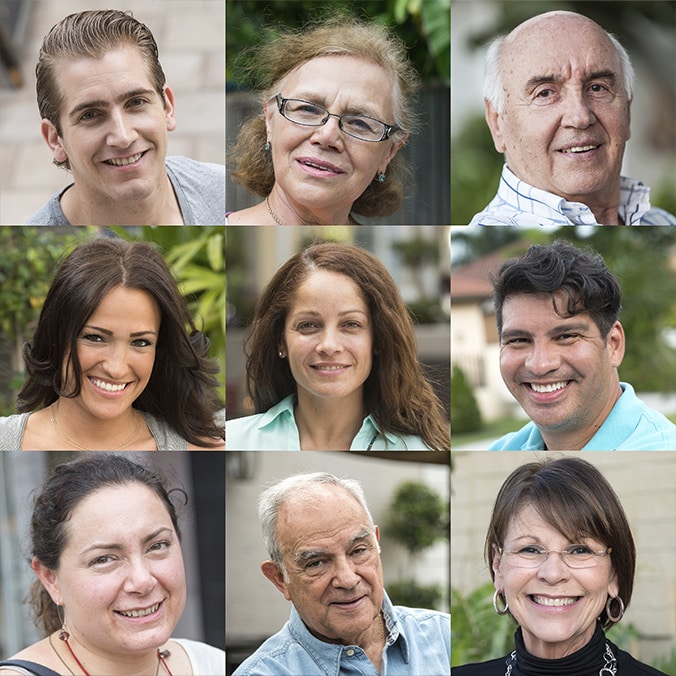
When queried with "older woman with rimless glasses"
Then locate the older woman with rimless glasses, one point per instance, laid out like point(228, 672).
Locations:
point(562, 559)
point(336, 109)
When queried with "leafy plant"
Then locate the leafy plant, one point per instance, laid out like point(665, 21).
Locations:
point(414, 595)
point(465, 414)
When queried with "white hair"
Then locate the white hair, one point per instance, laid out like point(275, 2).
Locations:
point(274, 497)
point(494, 89)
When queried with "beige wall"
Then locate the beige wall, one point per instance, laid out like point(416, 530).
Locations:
point(646, 484)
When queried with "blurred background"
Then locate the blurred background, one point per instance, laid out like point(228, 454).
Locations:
point(190, 35)
point(644, 260)
point(645, 483)
point(417, 257)
point(424, 27)
point(30, 256)
point(647, 30)
point(407, 497)
point(199, 474)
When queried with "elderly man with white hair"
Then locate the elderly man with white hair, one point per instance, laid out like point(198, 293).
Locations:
point(558, 94)
point(325, 559)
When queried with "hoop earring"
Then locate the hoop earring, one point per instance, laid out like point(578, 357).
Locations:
point(63, 635)
point(609, 602)
point(505, 610)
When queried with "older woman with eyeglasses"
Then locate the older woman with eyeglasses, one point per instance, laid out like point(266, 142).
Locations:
point(562, 559)
point(337, 106)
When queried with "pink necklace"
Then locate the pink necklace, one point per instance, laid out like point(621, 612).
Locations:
point(64, 636)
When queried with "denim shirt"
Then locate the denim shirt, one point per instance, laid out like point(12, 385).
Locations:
point(276, 430)
point(519, 203)
point(418, 644)
point(630, 426)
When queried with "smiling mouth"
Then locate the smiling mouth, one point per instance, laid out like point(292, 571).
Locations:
point(580, 149)
point(124, 161)
point(551, 387)
point(554, 602)
point(108, 387)
point(140, 613)
point(334, 367)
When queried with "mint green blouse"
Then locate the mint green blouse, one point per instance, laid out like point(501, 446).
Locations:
point(276, 430)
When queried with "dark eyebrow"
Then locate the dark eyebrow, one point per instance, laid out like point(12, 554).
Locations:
point(137, 334)
point(101, 103)
point(557, 330)
point(118, 547)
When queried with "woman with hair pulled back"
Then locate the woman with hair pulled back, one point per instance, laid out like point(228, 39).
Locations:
point(337, 106)
point(111, 365)
point(106, 549)
point(332, 364)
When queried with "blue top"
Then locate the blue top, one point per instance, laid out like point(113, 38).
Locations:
point(276, 430)
point(418, 643)
point(199, 189)
point(518, 203)
point(630, 426)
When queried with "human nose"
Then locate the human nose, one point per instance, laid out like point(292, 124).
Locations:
point(115, 362)
point(542, 358)
point(553, 568)
point(140, 579)
point(121, 132)
point(329, 133)
point(329, 342)
point(577, 112)
point(344, 575)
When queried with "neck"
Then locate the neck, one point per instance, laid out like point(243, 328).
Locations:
point(289, 212)
point(77, 427)
point(328, 424)
point(577, 438)
point(555, 651)
point(82, 659)
point(83, 207)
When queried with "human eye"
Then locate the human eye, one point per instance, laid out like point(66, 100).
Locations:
point(352, 324)
point(92, 337)
point(89, 116)
point(307, 326)
point(141, 342)
point(531, 550)
point(136, 102)
point(101, 561)
point(517, 341)
point(578, 550)
point(361, 123)
point(161, 546)
point(567, 337)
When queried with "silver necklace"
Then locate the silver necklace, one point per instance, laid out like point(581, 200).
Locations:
point(272, 213)
point(608, 669)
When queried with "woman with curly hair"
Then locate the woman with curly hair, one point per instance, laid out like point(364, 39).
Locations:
point(111, 365)
point(332, 361)
point(337, 106)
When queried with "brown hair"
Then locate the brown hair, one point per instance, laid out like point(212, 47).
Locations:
point(90, 34)
point(252, 164)
point(396, 392)
point(573, 497)
point(68, 485)
point(181, 389)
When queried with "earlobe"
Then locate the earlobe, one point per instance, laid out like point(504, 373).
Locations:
point(274, 573)
point(49, 580)
point(616, 344)
point(169, 108)
point(493, 122)
point(53, 140)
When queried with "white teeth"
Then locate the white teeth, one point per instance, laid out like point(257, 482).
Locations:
point(549, 388)
point(139, 613)
point(124, 161)
point(329, 368)
point(547, 601)
point(109, 387)
point(316, 166)
point(579, 149)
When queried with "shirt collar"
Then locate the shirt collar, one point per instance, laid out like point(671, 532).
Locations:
point(634, 200)
point(328, 655)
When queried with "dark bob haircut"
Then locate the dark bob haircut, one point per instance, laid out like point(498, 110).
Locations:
point(396, 392)
point(581, 275)
point(573, 497)
point(68, 485)
point(181, 390)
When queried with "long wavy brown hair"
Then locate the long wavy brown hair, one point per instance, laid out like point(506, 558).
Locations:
point(396, 393)
point(252, 164)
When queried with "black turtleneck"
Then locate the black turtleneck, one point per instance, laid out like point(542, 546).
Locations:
point(587, 661)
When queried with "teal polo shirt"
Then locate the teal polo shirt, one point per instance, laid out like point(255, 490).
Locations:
point(630, 426)
point(276, 430)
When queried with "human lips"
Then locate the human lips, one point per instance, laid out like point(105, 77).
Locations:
point(125, 161)
point(317, 166)
point(134, 613)
point(107, 385)
point(553, 601)
point(580, 147)
point(348, 605)
point(329, 367)
point(545, 388)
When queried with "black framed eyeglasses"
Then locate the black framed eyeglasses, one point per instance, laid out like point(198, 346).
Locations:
point(310, 114)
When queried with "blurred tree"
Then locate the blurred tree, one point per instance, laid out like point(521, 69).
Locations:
point(424, 26)
point(465, 414)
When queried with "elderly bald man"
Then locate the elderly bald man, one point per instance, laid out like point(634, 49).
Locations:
point(558, 94)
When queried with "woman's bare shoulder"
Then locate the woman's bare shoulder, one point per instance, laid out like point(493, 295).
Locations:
point(40, 653)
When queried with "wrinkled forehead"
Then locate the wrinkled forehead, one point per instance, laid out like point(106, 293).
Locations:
point(561, 44)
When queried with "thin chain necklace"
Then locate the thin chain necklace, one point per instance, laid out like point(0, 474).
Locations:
point(608, 669)
point(64, 636)
point(72, 442)
point(276, 220)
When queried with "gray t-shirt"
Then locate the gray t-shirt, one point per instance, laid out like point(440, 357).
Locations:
point(199, 188)
point(12, 429)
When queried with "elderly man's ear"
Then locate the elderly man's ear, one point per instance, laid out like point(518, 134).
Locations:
point(274, 573)
point(494, 121)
